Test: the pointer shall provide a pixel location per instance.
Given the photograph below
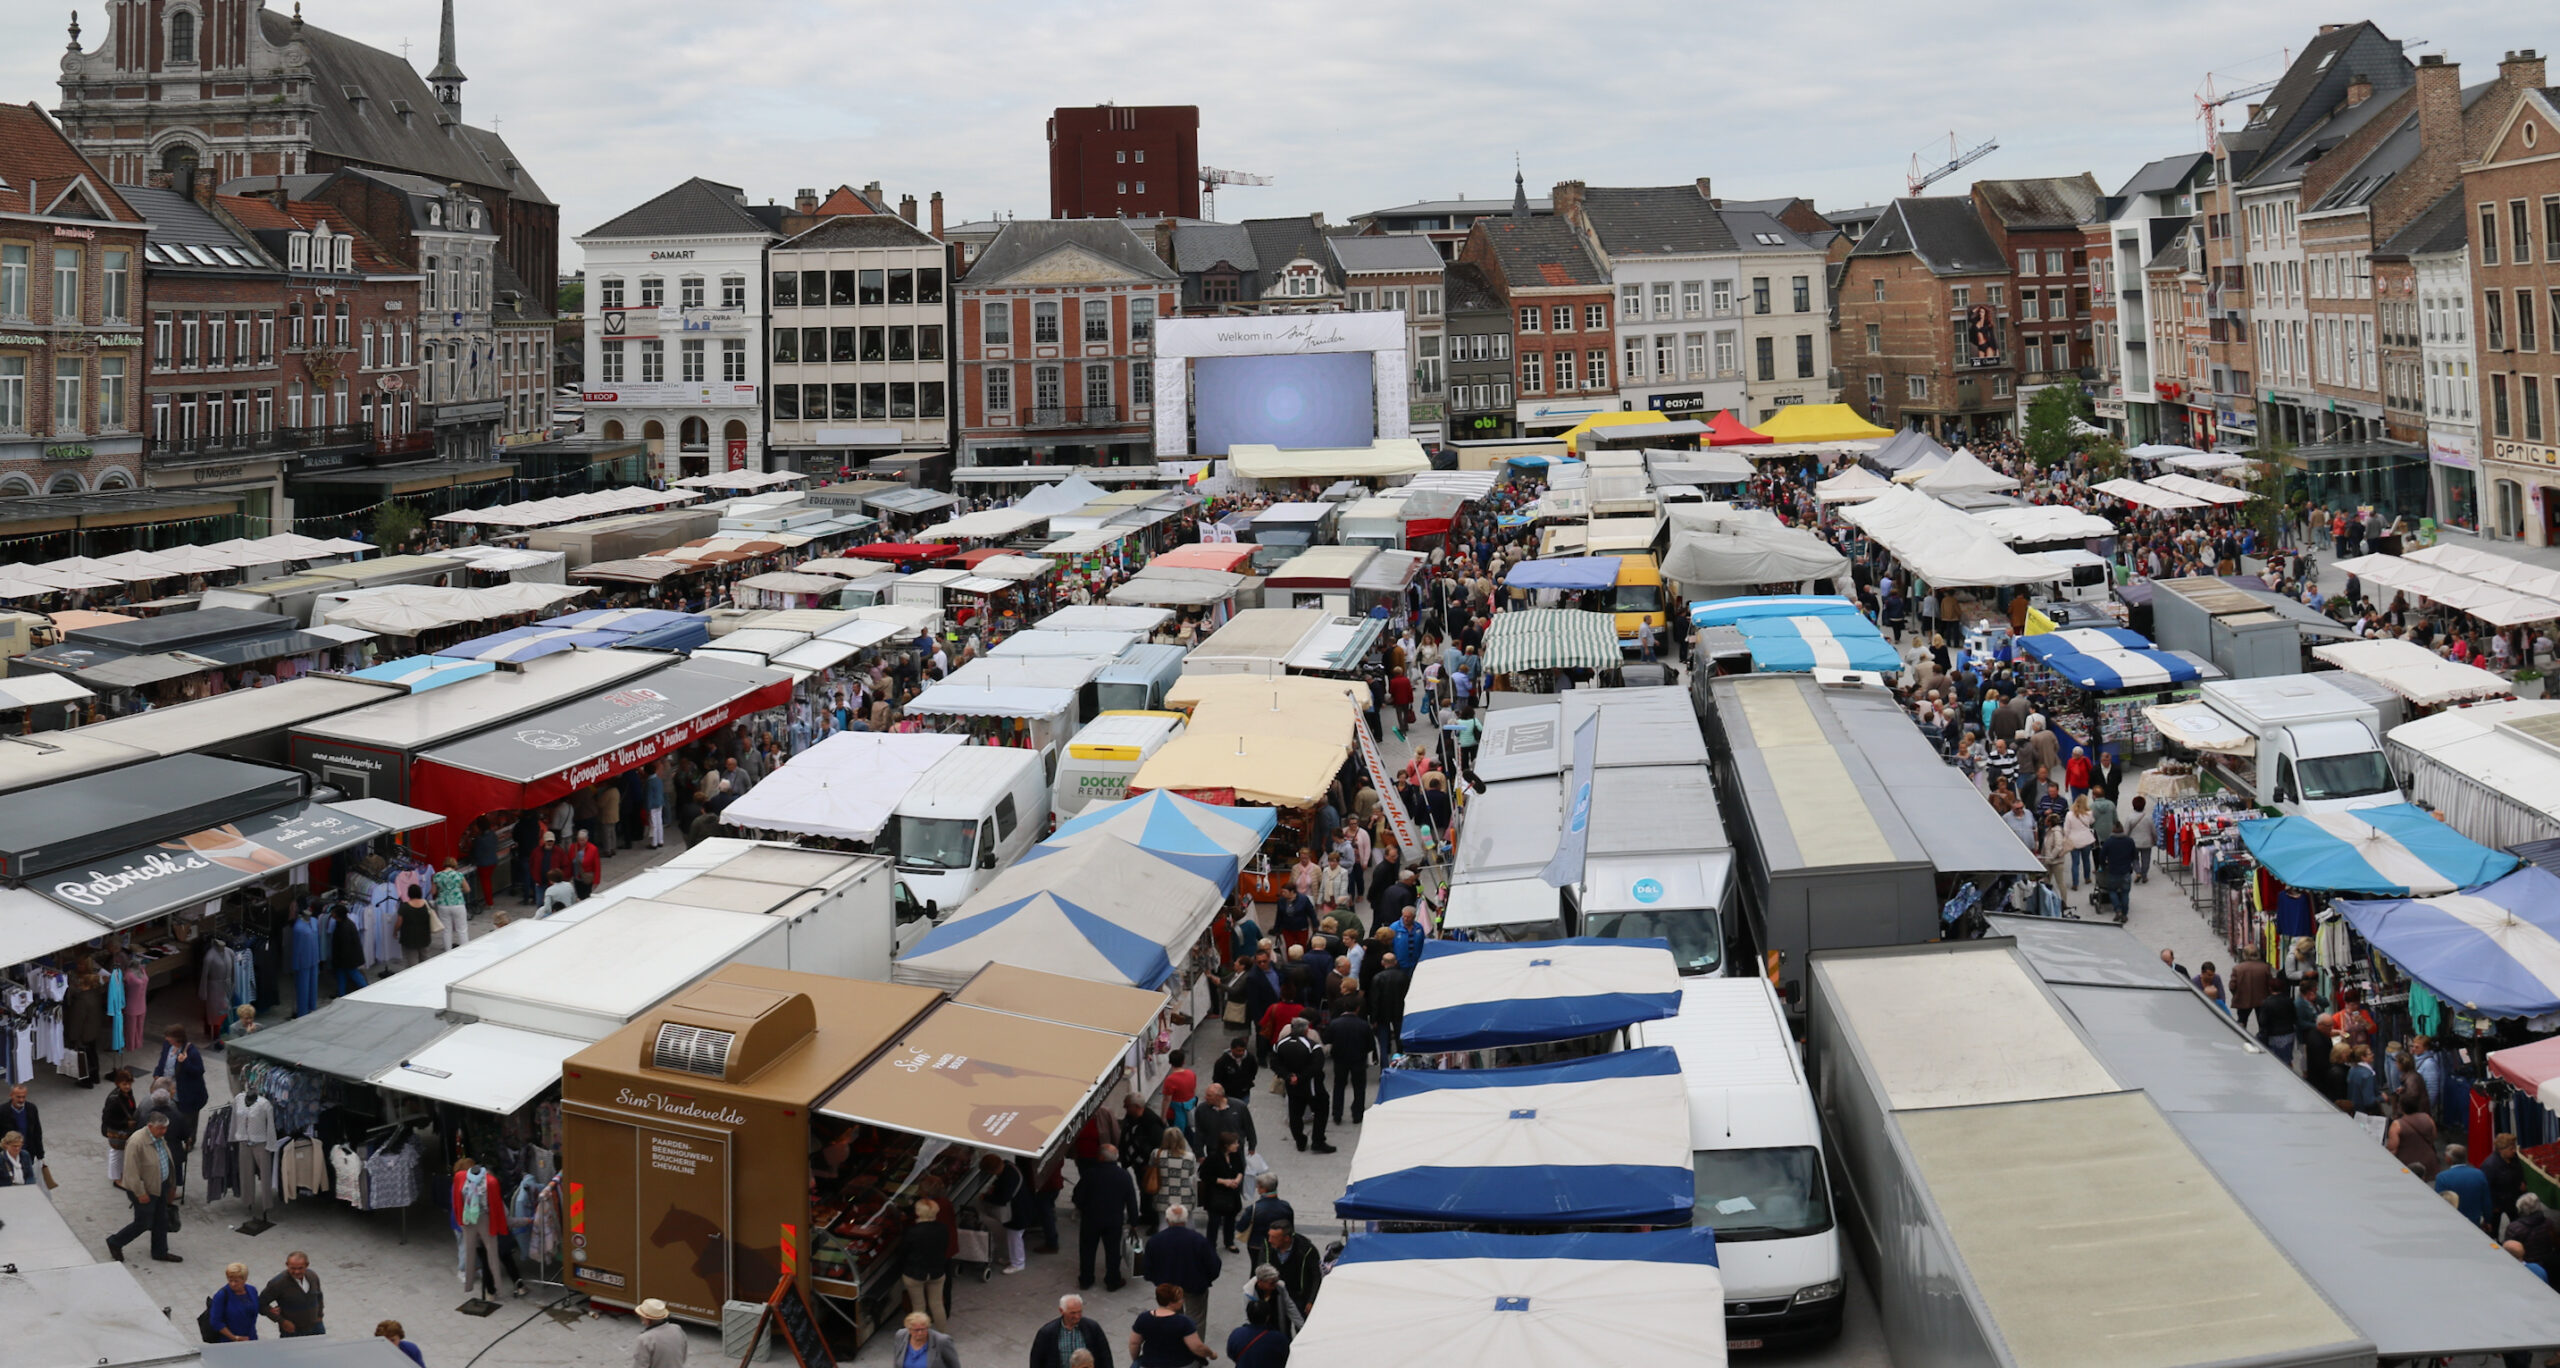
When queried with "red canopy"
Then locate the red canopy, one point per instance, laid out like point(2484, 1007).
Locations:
point(1726, 429)
point(1205, 556)
point(898, 552)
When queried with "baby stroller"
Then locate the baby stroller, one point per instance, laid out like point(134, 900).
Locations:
point(976, 1245)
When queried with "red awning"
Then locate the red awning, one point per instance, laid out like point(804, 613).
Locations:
point(899, 552)
point(1726, 429)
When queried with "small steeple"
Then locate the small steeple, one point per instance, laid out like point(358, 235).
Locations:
point(447, 78)
point(1519, 192)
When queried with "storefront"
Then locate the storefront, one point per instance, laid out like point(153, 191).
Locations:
point(2455, 458)
point(2525, 483)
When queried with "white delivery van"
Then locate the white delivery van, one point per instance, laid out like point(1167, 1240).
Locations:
point(1101, 757)
point(1762, 1182)
point(967, 817)
point(2296, 743)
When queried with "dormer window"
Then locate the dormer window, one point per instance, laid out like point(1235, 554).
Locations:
point(475, 218)
point(342, 252)
point(435, 215)
point(298, 251)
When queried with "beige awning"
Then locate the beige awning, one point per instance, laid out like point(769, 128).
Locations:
point(977, 1077)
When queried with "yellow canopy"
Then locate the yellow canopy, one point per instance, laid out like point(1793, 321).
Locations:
point(1819, 423)
point(1282, 771)
point(1573, 434)
point(1256, 693)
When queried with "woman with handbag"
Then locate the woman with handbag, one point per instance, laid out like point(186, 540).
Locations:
point(17, 1167)
point(1220, 1180)
point(117, 1121)
point(1175, 1175)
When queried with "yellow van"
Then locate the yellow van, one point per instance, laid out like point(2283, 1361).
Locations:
point(1639, 598)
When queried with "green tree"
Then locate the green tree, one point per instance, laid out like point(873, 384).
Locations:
point(2277, 502)
point(2106, 459)
point(573, 296)
point(395, 525)
point(2050, 416)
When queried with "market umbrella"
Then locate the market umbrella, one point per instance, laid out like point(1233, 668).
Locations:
point(1168, 822)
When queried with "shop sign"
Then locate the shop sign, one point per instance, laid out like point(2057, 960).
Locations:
point(679, 254)
point(320, 460)
point(2233, 420)
point(2451, 449)
point(203, 866)
point(664, 1105)
point(2526, 453)
point(737, 453)
point(73, 452)
point(121, 340)
point(2109, 408)
point(1687, 401)
point(705, 320)
point(20, 340)
point(84, 234)
point(677, 394)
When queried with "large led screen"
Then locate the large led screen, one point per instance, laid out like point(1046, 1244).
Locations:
point(1324, 400)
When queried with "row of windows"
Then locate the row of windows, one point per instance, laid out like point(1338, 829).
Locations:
point(1480, 347)
point(2493, 320)
point(2451, 392)
point(115, 282)
point(2055, 262)
point(2522, 416)
point(1559, 318)
point(2274, 227)
point(1426, 301)
point(691, 361)
point(1694, 299)
point(1673, 356)
point(71, 395)
point(876, 285)
point(1590, 373)
point(1049, 388)
point(449, 285)
point(240, 337)
point(2519, 243)
point(1916, 387)
point(875, 399)
point(185, 419)
point(996, 322)
point(921, 343)
point(1494, 394)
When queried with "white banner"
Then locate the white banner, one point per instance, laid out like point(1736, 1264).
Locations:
point(673, 395)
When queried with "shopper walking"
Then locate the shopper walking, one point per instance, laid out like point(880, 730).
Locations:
point(661, 1343)
point(118, 1119)
point(921, 1347)
point(17, 1167)
point(924, 1261)
point(151, 1185)
point(1299, 1060)
point(480, 1215)
point(1068, 1334)
point(393, 1331)
point(1106, 1201)
point(22, 1116)
point(1166, 1338)
point(453, 904)
point(232, 1310)
point(292, 1299)
point(1222, 1186)
point(1179, 1256)
point(346, 949)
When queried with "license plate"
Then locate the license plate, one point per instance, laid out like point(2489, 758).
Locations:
point(1741, 1344)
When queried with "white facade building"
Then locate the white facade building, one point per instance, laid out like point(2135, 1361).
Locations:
point(1677, 271)
point(1786, 328)
point(2442, 259)
point(675, 325)
point(862, 339)
point(2148, 210)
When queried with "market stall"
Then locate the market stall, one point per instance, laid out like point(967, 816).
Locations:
point(1598, 1141)
point(847, 786)
point(2114, 677)
point(1524, 640)
point(2482, 952)
point(1102, 910)
point(1819, 642)
point(1477, 995)
point(2425, 679)
point(2396, 851)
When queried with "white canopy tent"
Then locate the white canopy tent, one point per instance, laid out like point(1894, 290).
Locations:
point(1598, 1300)
point(1966, 474)
point(2412, 671)
point(2194, 488)
point(2490, 568)
point(2038, 523)
point(2493, 604)
point(1856, 484)
point(1719, 544)
point(1384, 457)
point(2142, 495)
point(1921, 466)
point(845, 786)
point(2204, 460)
point(1944, 547)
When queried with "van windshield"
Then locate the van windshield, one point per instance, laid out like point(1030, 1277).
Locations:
point(935, 842)
point(1639, 598)
point(2345, 776)
point(1762, 1194)
point(1697, 943)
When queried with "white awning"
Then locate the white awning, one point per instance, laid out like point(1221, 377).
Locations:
point(33, 926)
point(340, 632)
point(485, 1067)
point(2197, 725)
point(388, 815)
point(1504, 902)
point(27, 691)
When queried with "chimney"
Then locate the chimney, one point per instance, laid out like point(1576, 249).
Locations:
point(907, 209)
point(804, 200)
point(1567, 200)
point(1706, 190)
point(937, 215)
point(871, 192)
point(2440, 137)
point(1164, 240)
point(2521, 70)
point(2359, 89)
point(203, 190)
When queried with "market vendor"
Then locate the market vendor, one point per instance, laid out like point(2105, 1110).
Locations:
point(831, 1165)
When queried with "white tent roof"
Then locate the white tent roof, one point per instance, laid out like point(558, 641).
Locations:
point(2205, 460)
point(2155, 450)
point(1100, 617)
point(845, 786)
point(986, 524)
point(1719, 544)
point(1921, 466)
point(1852, 485)
point(2194, 488)
point(2147, 496)
point(2491, 603)
point(1387, 456)
point(483, 1066)
point(2412, 671)
point(1550, 1301)
point(2490, 568)
point(2043, 523)
point(1964, 474)
point(1943, 546)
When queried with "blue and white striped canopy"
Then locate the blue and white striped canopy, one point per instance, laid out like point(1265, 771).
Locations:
point(1592, 1141)
point(2495, 949)
point(1728, 612)
point(1832, 642)
point(1654, 1298)
point(2107, 658)
point(2394, 851)
point(1475, 995)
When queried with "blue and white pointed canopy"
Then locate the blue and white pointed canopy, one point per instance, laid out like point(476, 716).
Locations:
point(420, 673)
point(2494, 950)
point(1216, 866)
point(1162, 820)
point(1729, 612)
point(1048, 932)
point(2394, 851)
point(1831, 641)
point(1472, 995)
point(2107, 658)
point(1597, 1141)
point(531, 643)
point(1457, 1297)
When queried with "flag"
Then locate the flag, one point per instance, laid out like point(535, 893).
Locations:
point(1566, 866)
point(1196, 476)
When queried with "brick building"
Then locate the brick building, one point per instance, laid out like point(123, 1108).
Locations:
point(1056, 348)
point(2037, 223)
point(2513, 190)
point(70, 317)
point(237, 90)
point(1925, 298)
point(1564, 340)
point(1125, 161)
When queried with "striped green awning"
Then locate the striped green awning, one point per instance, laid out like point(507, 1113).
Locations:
point(1550, 639)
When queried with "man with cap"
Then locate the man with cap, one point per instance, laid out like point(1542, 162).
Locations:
point(150, 1182)
point(661, 1343)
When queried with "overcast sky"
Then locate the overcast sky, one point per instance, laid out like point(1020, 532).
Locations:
point(1349, 105)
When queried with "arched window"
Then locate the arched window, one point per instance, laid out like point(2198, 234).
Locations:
point(696, 435)
point(613, 430)
point(64, 483)
point(16, 487)
point(115, 479)
point(733, 431)
point(182, 39)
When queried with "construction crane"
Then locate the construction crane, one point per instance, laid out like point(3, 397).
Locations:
point(2208, 101)
point(1956, 161)
point(1212, 177)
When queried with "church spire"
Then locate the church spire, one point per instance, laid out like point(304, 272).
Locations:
point(447, 78)
point(1519, 195)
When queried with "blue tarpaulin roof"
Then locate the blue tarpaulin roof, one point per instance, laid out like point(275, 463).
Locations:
point(1169, 823)
point(1730, 611)
point(1075, 940)
point(1474, 995)
point(423, 672)
point(530, 643)
point(2395, 851)
point(1565, 572)
point(659, 629)
point(2107, 658)
point(2494, 950)
point(1603, 1140)
point(1832, 641)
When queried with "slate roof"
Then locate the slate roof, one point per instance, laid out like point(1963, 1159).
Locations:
point(2040, 202)
point(34, 152)
point(1404, 252)
point(1279, 241)
point(1751, 230)
point(861, 230)
point(2172, 255)
point(2443, 226)
point(1457, 207)
point(1661, 220)
point(693, 208)
point(2359, 183)
point(1541, 253)
point(1470, 292)
point(2315, 86)
point(177, 221)
point(1024, 241)
point(1942, 230)
point(2166, 176)
point(1199, 246)
point(375, 134)
point(259, 213)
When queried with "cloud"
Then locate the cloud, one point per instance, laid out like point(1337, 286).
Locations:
point(1349, 105)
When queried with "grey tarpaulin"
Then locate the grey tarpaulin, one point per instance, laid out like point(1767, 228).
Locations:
point(353, 1040)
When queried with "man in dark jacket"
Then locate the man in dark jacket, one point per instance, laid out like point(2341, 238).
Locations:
point(1184, 1257)
point(346, 950)
point(1299, 1060)
point(1106, 1201)
point(1300, 1271)
point(1267, 1210)
point(1261, 990)
point(1049, 1348)
point(1350, 1039)
point(1141, 1134)
point(20, 1115)
point(1236, 1070)
point(1220, 1112)
point(1386, 1003)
